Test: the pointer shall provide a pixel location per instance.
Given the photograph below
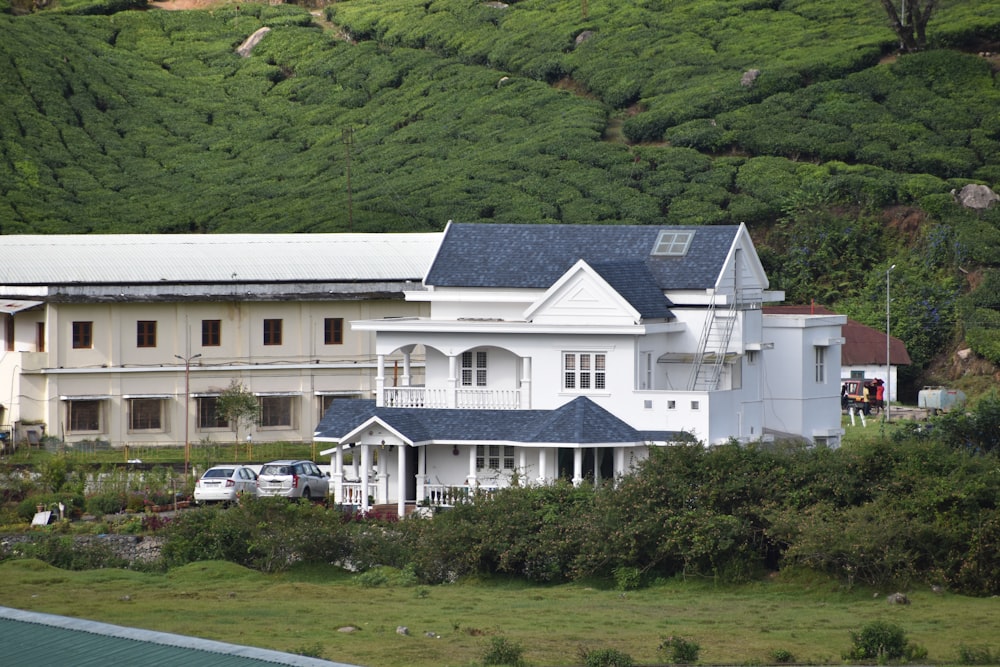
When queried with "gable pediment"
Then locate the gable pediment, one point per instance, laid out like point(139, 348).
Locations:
point(582, 296)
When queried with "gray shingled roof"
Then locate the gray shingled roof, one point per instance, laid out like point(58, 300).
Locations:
point(535, 256)
point(579, 422)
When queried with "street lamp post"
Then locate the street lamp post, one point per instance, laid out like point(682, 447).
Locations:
point(187, 407)
point(888, 365)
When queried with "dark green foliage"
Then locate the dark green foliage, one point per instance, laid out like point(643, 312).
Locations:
point(64, 552)
point(975, 655)
point(268, 534)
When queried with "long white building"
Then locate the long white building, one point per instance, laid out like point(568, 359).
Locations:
point(130, 339)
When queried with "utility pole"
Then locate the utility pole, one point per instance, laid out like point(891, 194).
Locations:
point(348, 138)
point(187, 407)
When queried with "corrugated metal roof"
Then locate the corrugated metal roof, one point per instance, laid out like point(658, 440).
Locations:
point(215, 258)
point(31, 639)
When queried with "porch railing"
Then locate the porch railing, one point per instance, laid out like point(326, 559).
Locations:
point(442, 495)
point(465, 398)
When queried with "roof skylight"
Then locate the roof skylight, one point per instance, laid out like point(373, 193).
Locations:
point(673, 243)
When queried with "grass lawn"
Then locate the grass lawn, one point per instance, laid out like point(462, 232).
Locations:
point(301, 611)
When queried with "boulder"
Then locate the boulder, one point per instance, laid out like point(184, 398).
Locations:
point(897, 598)
point(978, 197)
point(749, 77)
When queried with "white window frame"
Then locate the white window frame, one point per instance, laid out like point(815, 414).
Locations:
point(473, 368)
point(673, 242)
point(584, 368)
point(820, 359)
point(499, 458)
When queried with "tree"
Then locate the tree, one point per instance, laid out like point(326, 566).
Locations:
point(910, 21)
point(239, 407)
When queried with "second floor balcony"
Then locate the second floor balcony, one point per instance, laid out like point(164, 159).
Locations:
point(467, 398)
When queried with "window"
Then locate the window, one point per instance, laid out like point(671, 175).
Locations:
point(208, 413)
point(40, 336)
point(820, 364)
point(272, 332)
point(673, 243)
point(671, 405)
point(695, 405)
point(83, 335)
point(583, 370)
point(145, 414)
point(145, 333)
point(84, 416)
point(211, 333)
point(275, 411)
point(333, 331)
point(474, 369)
point(752, 357)
point(494, 457)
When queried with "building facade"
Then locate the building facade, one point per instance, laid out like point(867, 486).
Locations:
point(566, 351)
point(130, 339)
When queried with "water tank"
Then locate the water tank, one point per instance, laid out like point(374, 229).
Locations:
point(939, 398)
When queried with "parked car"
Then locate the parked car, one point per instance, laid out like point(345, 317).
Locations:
point(293, 479)
point(224, 484)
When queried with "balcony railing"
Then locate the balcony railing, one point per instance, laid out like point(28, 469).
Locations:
point(465, 398)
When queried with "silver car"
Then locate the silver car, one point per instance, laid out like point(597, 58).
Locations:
point(225, 484)
point(293, 479)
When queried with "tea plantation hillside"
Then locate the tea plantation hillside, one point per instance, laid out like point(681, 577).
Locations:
point(797, 118)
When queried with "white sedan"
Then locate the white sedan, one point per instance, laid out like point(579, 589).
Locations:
point(225, 484)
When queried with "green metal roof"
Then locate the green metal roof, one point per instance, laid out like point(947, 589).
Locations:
point(31, 639)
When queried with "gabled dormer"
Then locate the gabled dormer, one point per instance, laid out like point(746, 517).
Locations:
point(608, 294)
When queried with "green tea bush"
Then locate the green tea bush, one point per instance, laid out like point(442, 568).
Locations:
point(64, 552)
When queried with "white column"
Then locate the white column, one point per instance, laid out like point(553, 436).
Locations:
point(542, 467)
point(526, 383)
point(355, 463)
point(452, 400)
point(421, 474)
point(472, 479)
point(405, 379)
point(365, 467)
point(619, 461)
point(401, 480)
point(380, 382)
point(337, 475)
point(522, 465)
point(577, 466)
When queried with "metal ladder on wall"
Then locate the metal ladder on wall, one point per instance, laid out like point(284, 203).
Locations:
point(711, 354)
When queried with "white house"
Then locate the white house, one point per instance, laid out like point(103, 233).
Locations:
point(130, 339)
point(566, 351)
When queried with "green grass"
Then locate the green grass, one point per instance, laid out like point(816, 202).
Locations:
point(808, 616)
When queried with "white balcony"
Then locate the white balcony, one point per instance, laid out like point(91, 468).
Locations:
point(463, 397)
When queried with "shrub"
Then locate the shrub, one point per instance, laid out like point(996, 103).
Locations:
point(628, 578)
point(607, 657)
point(109, 502)
point(879, 641)
point(976, 655)
point(502, 651)
point(782, 656)
point(680, 650)
point(64, 552)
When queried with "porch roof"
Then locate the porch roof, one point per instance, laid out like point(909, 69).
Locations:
point(581, 422)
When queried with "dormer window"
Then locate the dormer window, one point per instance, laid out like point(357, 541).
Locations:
point(673, 243)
